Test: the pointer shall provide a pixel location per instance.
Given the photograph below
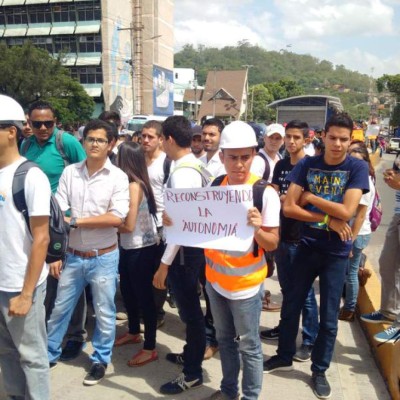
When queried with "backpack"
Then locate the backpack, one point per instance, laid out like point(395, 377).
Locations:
point(267, 170)
point(206, 176)
point(59, 145)
point(375, 215)
point(258, 192)
point(58, 229)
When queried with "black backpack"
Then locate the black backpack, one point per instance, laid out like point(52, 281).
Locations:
point(58, 229)
point(258, 192)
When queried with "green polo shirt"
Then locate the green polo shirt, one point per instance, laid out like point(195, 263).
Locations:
point(50, 160)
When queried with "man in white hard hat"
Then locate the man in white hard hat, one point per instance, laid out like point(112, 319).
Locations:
point(23, 339)
point(236, 293)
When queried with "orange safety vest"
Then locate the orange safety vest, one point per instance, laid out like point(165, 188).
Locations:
point(236, 270)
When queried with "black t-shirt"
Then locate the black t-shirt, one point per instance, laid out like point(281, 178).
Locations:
point(290, 229)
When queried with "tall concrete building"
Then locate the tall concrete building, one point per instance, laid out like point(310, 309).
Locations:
point(121, 51)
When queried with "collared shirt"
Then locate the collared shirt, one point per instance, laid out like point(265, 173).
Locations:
point(215, 165)
point(49, 158)
point(106, 191)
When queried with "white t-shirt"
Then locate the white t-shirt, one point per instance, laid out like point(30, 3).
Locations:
point(258, 165)
point(156, 175)
point(367, 199)
point(309, 149)
point(270, 218)
point(15, 239)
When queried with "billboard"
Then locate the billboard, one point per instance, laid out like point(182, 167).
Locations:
point(163, 91)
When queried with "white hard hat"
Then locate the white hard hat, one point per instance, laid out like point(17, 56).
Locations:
point(238, 135)
point(11, 112)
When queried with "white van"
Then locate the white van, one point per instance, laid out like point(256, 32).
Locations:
point(137, 121)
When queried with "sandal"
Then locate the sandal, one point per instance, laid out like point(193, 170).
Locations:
point(128, 338)
point(134, 361)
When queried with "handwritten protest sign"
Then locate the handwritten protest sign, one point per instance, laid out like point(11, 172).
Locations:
point(211, 217)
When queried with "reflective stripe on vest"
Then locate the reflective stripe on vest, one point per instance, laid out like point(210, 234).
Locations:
point(233, 270)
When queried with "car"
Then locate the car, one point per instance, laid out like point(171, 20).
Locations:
point(393, 145)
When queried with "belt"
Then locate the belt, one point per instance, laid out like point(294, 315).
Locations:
point(92, 253)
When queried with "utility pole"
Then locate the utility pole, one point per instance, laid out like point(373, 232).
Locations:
point(195, 95)
point(247, 66)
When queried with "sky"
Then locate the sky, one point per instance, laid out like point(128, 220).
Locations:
point(362, 35)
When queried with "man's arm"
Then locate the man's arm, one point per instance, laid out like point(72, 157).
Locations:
point(21, 304)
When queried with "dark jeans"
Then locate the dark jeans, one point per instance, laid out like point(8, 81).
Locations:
point(183, 276)
point(136, 268)
point(332, 272)
point(211, 339)
point(76, 328)
point(284, 257)
point(160, 295)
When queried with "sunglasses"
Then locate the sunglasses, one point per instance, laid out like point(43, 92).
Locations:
point(38, 124)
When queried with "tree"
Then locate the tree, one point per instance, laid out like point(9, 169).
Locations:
point(259, 98)
point(28, 73)
point(391, 83)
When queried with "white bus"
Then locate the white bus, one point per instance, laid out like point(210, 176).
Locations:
point(137, 121)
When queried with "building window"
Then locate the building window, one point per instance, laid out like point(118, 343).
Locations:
point(65, 44)
point(88, 12)
point(44, 43)
point(15, 41)
point(39, 14)
point(15, 15)
point(90, 44)
point(64, 13)
point(87, 75)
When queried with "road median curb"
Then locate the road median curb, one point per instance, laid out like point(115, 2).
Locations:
point(386, 355)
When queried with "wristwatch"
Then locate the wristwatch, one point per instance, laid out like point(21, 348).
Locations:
point(72, 223)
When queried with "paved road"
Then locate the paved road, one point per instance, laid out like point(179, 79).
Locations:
point(353, 373)
point(374, 248)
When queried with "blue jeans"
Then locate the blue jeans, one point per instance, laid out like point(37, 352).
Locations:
point(332, 272)
point(23, 357)
point(236, 323)
point(284, 257)
point(183, 277)
point(101, 273)
point(352, 284)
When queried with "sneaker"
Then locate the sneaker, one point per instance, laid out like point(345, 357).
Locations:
point(303, 353)
point(52, 365)
point(175, 358)
point(180, 384)
point(275, 363)
point(376, 317)
point(95, 375)
point(320, 385)
point(72, 350)
point(346, 315)
point(171, 301)
point(218, 395)
point(270, 334)
point(389, 335)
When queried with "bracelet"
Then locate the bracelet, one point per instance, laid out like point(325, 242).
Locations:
point(325, 222)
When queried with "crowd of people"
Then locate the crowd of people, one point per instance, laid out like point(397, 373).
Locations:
point(310, 219)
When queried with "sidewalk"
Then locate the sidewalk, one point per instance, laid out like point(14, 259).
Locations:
point(353, 373)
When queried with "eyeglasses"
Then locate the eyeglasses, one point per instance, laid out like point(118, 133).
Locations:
point(38, 124)
point(100, 142)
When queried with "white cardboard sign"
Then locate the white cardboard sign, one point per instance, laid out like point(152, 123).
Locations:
point(210, 217)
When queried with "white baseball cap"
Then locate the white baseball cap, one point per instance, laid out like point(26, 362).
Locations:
point(275, 128)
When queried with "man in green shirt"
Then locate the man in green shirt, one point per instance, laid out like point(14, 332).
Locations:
point(42, 146)
point(53, 150)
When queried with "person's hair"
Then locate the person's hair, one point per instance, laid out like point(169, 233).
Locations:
point(214, 122)
point(41, 105)
point(178, 127)
point(341, 120)
point(111, 116)
point(297, 124)
point(132, 161)
point(95, 124)
point(362, 149)
point(152, 124)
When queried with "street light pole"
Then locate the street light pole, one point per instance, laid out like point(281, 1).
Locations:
point(247, 66)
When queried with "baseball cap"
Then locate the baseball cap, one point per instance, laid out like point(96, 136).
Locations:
point(275, 128)
point(197, 130)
